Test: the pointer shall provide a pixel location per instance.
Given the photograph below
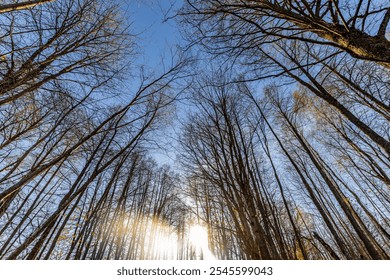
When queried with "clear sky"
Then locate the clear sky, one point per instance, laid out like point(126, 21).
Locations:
point(155, 38)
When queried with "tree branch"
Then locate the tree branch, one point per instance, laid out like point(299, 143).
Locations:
point(384, 23)
point(21, 6)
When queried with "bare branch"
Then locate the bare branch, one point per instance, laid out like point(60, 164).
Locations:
point(21, 6)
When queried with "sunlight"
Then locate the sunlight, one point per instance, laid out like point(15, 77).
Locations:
point(165, 244)
point(198, 238)
point(160, 241)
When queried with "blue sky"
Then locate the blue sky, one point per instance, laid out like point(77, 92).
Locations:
point(155, 37)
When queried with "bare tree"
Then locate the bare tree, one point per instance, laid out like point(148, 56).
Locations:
point(64, 151)
point(356, 27)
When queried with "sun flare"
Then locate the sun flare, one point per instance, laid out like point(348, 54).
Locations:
point(198, 238)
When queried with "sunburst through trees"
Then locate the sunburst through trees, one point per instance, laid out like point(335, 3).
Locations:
point(282, 142)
